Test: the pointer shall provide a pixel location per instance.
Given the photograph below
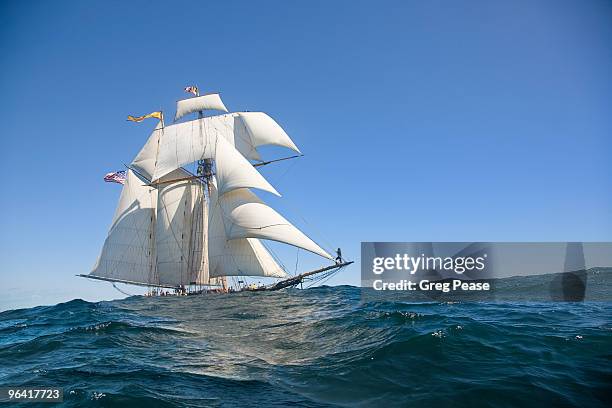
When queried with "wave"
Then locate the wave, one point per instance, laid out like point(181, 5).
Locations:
point(324, 346)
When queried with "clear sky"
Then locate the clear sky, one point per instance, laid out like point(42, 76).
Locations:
point(419, 120)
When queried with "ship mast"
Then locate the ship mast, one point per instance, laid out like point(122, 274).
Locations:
point(204, 171)
point(153, 274)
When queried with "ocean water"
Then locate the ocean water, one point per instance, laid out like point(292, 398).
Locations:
point(311, 348)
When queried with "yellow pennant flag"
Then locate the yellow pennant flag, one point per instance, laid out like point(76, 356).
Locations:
point(157, 115)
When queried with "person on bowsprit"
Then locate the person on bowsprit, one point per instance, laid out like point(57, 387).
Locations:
point(339, 256)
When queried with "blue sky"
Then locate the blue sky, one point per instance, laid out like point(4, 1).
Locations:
point(448, 121)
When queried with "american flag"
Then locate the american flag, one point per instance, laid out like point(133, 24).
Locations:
point(116, 177)
point(192, 89)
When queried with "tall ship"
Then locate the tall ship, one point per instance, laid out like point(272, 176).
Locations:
point(204, 230)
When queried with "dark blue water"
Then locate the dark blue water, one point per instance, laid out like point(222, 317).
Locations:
point(315, 347)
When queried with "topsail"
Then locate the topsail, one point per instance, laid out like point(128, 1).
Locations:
point(187, 142)
point(205, 102)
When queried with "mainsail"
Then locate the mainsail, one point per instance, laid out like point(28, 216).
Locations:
point(173, 228)
point(175, 205)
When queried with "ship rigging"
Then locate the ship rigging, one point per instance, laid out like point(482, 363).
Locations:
point(190, 231)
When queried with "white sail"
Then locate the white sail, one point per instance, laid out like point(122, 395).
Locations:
point(234, 171)
point(175, 204)
point(248, 130)
point(145, 160)
point(232, 127)
point(127, 254)
point(243, 257)
point(246, 216)
point(265, 131)
point(198, 256)
point(236, 257)
point(180, 144)
point(199, 103)
point(188, 142)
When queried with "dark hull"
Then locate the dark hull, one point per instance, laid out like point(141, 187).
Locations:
point(297, 280)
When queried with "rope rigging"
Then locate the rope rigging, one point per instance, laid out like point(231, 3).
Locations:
point(321, 279)
point(122, 291)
